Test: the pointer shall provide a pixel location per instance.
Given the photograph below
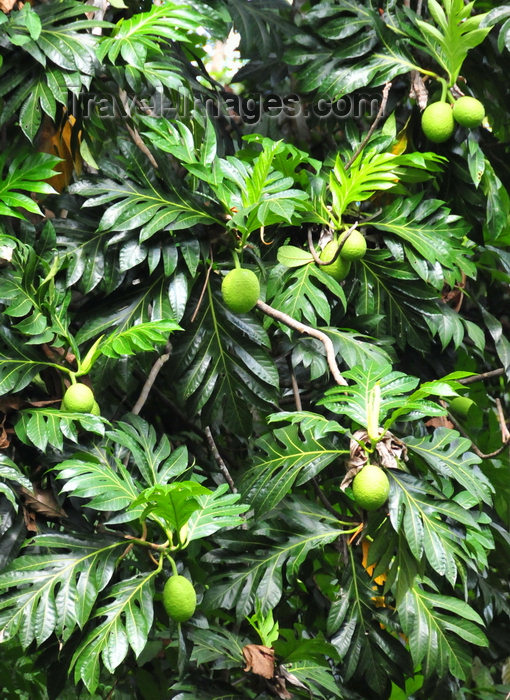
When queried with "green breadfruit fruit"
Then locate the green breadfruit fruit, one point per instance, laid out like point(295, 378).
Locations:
point(240, 289)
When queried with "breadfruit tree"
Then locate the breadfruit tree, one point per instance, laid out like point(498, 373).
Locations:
point(254, 352)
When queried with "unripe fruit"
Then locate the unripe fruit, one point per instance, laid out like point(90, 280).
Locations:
point(240, 289)
point(437, 122)
point(468, 111)
point(370, 487)
point(179, 598)
point(78, 398)
point(339, 269)
point(461, 405)
point(354, 247)
point(95, 410)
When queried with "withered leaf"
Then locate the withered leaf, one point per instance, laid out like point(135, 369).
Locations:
point(56, 354)
point(30, 521)
point(58, 140)
point(4, 438)
point(41, 404)
point(290, 677)
point(439, 422)
point(418, 89)
point(12, 403)
point(389, 450)
point(43, 502)
point(7, 5)
point(280, 689)
point(259, 659)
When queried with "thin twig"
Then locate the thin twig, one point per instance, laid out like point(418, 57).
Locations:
point(299, 407)
point(368, 219)
point(204, 287)
point(131, 545)
point(313, 250)
point(481, 377)
point(295, 386)
point(156, 367)
point(475, 448)
point(137, 139)
point(307, 330)
point(219, 461)
point(373, 126)
point(505, 434)
point(327, 505)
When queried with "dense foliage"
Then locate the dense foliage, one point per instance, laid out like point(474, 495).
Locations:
point(137, 167)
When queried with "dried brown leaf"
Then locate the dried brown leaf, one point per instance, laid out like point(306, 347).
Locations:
point(259, 659)
point(4, 438)
point(57, 354)
point(13, 403)
point(390, 450)
point(418, 89)
point(42, 501)
point(290, 677)
point(30, 521)
point(41, 404)
point(279, 688)
point(439, 422)
point(7, 5)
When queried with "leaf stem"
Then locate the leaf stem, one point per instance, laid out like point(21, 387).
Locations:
point(146, 543)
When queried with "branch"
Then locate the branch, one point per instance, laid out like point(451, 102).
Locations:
point(313, 250)
point(384, 101)
point(307, 330)
point(137, 139)
point(505, 435)
point(295, 386)
point(485, 375)
point(156, 367)
point(299, 407)
point(475, 448)
point(219, 461)
point(204, 287)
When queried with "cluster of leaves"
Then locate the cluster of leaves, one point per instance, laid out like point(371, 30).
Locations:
point(113, 275)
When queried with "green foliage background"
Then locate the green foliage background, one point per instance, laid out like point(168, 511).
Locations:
point(226, 443)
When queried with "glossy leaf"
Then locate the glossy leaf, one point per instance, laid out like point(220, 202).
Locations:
point(286, 456)
point(55, 592)
point(221, 357)
point(128, 620)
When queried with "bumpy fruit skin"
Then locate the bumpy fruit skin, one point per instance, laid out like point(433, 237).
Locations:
point(179, 598)
point(78, 398)
point(461, 405)
point(437, 122)
point(370, 487)
point(339, 269)
point(468, 111)
point(240, 289)
point(354, 247)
